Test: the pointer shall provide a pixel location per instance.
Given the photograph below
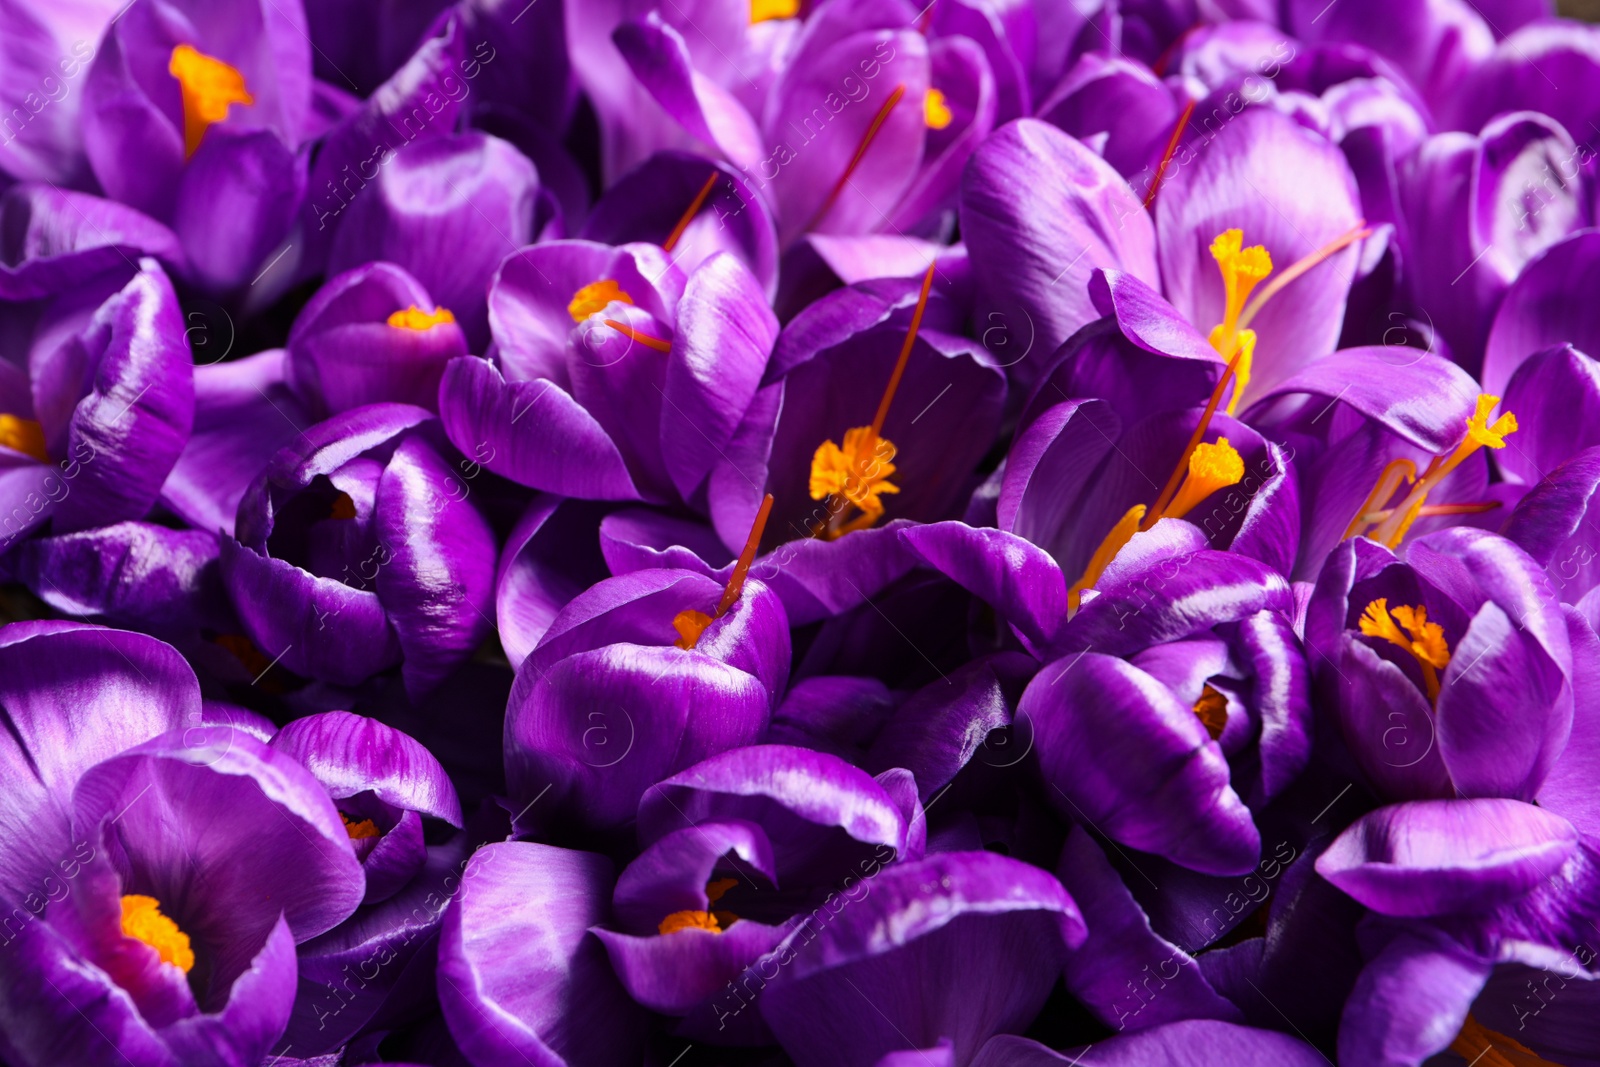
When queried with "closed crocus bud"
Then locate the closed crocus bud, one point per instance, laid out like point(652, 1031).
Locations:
point(358, 549)
point(371, 335)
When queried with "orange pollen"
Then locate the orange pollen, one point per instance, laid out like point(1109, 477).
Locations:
point(936, 113)
point(643, 338)
point(764, 10)
point(1394, 522)
point(691, 624)
point(142, 921)
point(858, 473)
point(1212, 711)
point(1422, 639)
point(23, 435)
point(867, 138)
point(689, 920)
point(688, 216)
point(1211, 467)
point(594, 297)
point(209, 88)
point(358, 830)
point(414, 318)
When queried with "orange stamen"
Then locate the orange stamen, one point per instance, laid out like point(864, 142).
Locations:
point(1174, 480)
point(861, 150)
point(688, 216)
point(691, 624)
point(1166, 157)
point(1299, 267)
point(643, 338)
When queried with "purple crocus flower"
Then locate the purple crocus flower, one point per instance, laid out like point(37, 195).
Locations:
point(379, 960)
point(357, 549)
point(737, 851)
point(519, 975)
point(194, 113)
point(615, 376)
point(159, 870)
point(639, 677)
point(1195, 650)
point(1427, 663)
point(849, 122)
point(92, 423)
point(370, 335)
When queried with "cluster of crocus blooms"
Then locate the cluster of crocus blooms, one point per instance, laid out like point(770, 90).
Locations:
point(799, 532)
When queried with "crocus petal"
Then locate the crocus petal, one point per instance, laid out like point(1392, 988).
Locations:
point(1039, 213)
point(560, 449)
point(1432, 857)
point(131, 426)
point(58, 239)
point(891, 945)
point(647, 203)
point(811, 169)
point(1410, 1001)
point(519, 978)
point(239, 833)
point(1120, 751)
point(238, 196)
point(75, 695)
point(438, 588)
point(1551, 523)
point(1192, 1043)
point(1007, 571)
point(350, 754)
point(724, 333)
point(942, 727)
point(1566, 790)
point(343, 353)
point(549, 558)
point(447, 209)
point(820, 813)
point(1541, 309)
point(659, 57)
point(244, 413)
point(1563, 386)
point(320, 627)
point(679, 972)
point(570, 726)
point(1106, 971)
point(131, 572)
point(1298, 195)
point(416, 101)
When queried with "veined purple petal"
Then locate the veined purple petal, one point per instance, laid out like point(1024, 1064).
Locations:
point(1435, 857)
point(351, 754)
point(519, 977)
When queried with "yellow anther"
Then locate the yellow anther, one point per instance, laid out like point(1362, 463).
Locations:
point(359, 830)
point(1481, 433)
point(689, 920)
point(1211, 467)
point(858, 473)
point(1242, 269)
point(763, 10)
point(1424, 640)
point(1114, 541)
point(142, 920)
point(23, 435)
point(414, 318)
point(594, 297)
point(1212, 711)
point(209, 88)
point(935, 112)
point(690, 625)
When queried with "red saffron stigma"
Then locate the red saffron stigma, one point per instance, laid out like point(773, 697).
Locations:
point(861, 150)
point(688, 216)
point(643, 338)
point(1166, 157)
